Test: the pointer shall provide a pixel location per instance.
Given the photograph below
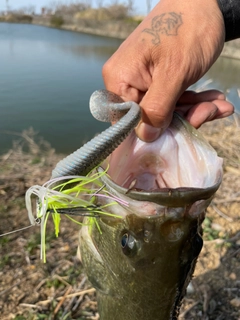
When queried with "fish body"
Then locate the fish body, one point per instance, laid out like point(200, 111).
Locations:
point(141, 263)
point(145, 278)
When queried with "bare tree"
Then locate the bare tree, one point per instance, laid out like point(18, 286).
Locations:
point(52, 7)
point(99, 3)
point(113, 3)
point(72, 7)
point(7, 7)
point(28, 9)
point(117, 10)
point(149, 5)
point(87, 3)
point(130, 6)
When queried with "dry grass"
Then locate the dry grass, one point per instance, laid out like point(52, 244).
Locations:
point(59, 289)
point(215, 291)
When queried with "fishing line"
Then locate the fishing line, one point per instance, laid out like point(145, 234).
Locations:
point(70, 196)
point(37, 221)
point(76, 211)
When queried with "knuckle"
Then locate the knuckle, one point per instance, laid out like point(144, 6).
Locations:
point(106, 69)
point(156, 116)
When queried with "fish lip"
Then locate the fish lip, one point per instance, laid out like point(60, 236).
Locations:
point(171, 197)
point(160, 193)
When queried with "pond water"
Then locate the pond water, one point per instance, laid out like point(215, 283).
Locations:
point(47, 76)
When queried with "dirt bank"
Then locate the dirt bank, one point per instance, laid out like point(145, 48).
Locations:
point(109, 28)
point(59, 289)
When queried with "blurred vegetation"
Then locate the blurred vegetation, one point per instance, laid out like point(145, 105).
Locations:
point(112, 11)
point(56, 21)
point(114, 18)
point(19, 18)
point(58, 13)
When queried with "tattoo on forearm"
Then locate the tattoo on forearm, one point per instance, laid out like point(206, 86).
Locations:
point(166, 23)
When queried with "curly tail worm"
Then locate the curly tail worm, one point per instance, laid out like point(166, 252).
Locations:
point(108, 107)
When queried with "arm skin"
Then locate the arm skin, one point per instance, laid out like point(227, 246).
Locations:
point(171, 49)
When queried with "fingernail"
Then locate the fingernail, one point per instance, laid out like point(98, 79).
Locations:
point(212, 115)
point(148, 133)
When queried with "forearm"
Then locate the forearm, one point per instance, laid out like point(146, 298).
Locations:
point(231, 14)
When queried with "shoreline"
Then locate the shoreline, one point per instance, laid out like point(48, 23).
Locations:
point(87, 30)
point(121, 30)
point(109, 28)
point(106, 28)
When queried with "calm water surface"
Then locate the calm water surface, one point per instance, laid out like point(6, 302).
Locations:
point(48, 75)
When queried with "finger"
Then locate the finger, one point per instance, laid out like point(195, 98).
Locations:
point(158, 105)
point(193, 97)
point(224, 110)
point(126, 76)
point(207, 111)
point(190, 99)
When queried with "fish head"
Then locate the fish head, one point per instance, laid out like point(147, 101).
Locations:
point(148, 254)
point(135, 248)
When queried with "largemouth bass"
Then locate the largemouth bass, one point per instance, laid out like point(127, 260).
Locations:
point(141, 263)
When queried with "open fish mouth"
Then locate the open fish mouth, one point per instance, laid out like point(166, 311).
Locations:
point(142, 263)
point(180, 167)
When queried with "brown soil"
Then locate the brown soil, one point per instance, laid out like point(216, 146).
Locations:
point(59, 289)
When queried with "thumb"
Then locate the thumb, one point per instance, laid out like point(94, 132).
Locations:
point(158, 106)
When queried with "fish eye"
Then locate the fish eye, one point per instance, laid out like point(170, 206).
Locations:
point(129, 244)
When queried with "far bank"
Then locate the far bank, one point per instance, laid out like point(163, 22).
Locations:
point(119, 29)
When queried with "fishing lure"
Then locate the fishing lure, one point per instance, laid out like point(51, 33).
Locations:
point(69, 196)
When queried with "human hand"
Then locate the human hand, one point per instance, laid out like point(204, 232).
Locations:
point(169, 51)
point(204, 106)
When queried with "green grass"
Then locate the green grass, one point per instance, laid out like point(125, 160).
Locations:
point(209, 233)
point(35, 240)
point(4, 261)
point(4, 241)
point(56, 21)
point(54, 283)
point(36, 160)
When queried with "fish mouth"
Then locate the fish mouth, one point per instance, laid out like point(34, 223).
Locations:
point(179, 165)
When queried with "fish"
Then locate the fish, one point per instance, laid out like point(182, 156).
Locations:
point(142, 259)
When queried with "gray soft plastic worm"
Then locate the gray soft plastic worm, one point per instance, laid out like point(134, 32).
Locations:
point(108, 107)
